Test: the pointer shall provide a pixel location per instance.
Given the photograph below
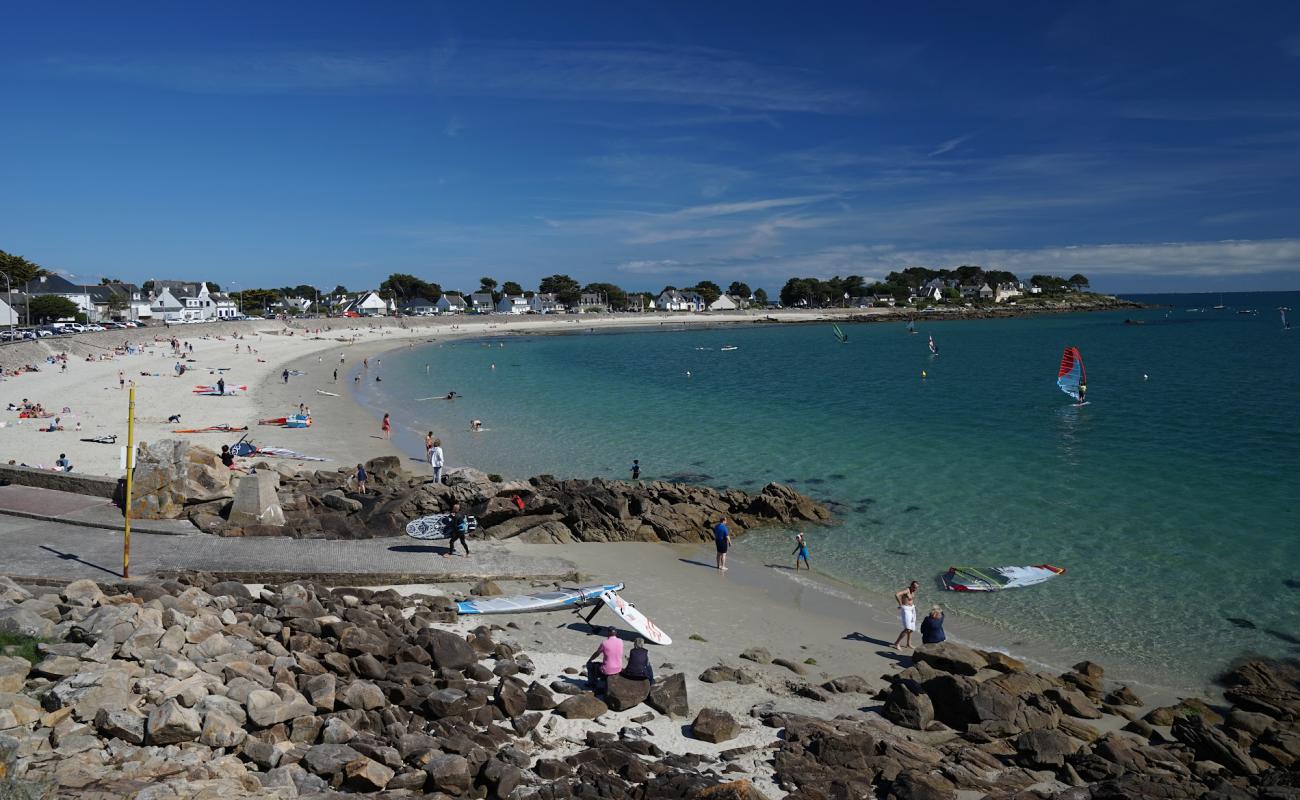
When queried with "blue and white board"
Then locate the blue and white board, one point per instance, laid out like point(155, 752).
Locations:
point(435, 527)
point(542, 601)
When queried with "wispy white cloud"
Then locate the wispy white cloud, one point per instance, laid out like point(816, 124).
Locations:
point(620, 73)
point(950, 145)
point(454, 126)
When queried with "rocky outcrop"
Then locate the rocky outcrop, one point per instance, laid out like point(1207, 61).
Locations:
point(323, 504)
point(172, 474)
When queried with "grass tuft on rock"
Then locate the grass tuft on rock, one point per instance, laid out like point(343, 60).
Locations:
point(19, 646)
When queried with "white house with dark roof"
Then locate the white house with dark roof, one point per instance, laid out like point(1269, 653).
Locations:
point(516, 304)
point(481, 302)
point(419, 306)
point(451, 303)
point(544, 303)
point(677, 300)
point(54, 284)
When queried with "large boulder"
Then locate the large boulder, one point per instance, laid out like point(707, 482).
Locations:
point(13, 674)
point(581, 706)
point(1210, 744)
point(171, 723)
point(25, 622)
point(625, 693)
point(173, 473)
point(950, 657)
point(908, 708)
point(668, 696)
point(714, 725)
point(1043, 748)
point(447, 650)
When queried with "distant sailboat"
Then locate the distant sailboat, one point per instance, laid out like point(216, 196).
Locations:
point(1220, 305)
point(934, 348)
point(911, 326)
point(1071, 377)
point(840, 334)
point(1286, 323)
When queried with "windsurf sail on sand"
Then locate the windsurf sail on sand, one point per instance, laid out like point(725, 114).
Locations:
point(840, 334)
point(542, 601)
point(934, 348)
point(995, 579)
point(1071, 375)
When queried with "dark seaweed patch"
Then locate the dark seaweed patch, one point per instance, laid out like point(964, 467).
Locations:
point(815, 481)
point(898, 552)
point(836, 476)
point(1286, 637)
point(1291, 583)
point(910, 509)
point(1241, 623)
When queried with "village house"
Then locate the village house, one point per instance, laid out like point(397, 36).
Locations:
point(186, 301)
point(419, 307)
point(450, 303)
point(1005, 292)
point(516, 304)
point(481, 302)
point(677, 300)
point(8, 316)
point(724, 303)
point(544, 303)
point(592, 301)
point(367, 304)
point(120, 301)
point(60, 286)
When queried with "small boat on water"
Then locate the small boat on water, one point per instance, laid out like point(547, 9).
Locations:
point(728, 348)
point(1134, 322)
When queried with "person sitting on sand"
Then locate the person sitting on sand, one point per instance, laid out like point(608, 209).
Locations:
point(638, 663)
point(63, 464)
point(932, 626)
point(906, 615)
point(610, 653)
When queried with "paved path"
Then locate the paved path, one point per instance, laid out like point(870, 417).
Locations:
point(84, 510)
point(52, 548)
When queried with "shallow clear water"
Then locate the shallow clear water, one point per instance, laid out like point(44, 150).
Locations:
point(1170, 499)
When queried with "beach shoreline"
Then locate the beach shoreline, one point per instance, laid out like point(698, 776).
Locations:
point(346, 430)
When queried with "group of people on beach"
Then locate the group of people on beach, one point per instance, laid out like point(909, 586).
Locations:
point(931, 626)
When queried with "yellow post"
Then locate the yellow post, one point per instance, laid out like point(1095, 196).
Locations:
point(130, 467)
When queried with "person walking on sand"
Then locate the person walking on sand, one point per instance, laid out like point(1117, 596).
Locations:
point(386, 427)
point(285, 375)
point(361, 479)
point(722, 541)
point(932, 626)
point(336, 374)
point(221, 386)
point(459, 531)
point(121, 379)
point(800, 552)
point(435, 460)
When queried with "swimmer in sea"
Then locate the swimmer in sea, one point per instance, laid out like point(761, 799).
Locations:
point(476, 425)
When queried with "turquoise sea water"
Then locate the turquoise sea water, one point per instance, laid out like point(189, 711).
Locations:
point(1170, 499)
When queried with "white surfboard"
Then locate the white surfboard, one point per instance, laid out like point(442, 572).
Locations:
point(639, 622)
point(542, 601)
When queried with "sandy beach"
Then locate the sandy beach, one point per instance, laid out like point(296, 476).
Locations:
point(712, 616)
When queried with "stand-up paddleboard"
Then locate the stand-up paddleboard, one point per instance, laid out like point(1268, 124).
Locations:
point(435, 526)
point(542, 601)
point(639, 622)
point(995, 579)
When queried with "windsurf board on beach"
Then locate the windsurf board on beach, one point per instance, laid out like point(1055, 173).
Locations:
point(995, 579)
point(327, 394)
point(434, 526)
point(639, 622)
point(542, 601)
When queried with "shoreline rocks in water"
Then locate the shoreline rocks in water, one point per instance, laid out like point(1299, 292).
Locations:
point(281, 501)
point(203, 689)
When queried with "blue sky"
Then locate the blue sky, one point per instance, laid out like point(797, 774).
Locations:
point(1150, 146)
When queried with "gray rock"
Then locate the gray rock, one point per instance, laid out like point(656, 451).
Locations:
point(447, 702)
point(1073, 702)
point(486, 588)
point(714, 725)
point(1210, 744)
point(363, 696)
point(625, 693)
point(256, 502)
point(366, 775)
point(539, 698)
point(448, 650)
point(581, 706)
point(790, 665)
point(266, 708)
point(233, 589)
point(327, 760)
point(13, 674)
point(83, 593)
point(449, 773)
point(908, 709)
point(668, 696)
point(225, 705)
point(11, 592)
point(340, 502)
point(337, 731)
point(950, 657)
point(848, 684)
point(320, 690)
point(172, 723)
point(1043, 748)
point(25, 622)
point(220, 730)
point(122, 725)
point(759, 655)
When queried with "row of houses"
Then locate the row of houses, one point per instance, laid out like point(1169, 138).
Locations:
point(1002, 292)
point(170, 301)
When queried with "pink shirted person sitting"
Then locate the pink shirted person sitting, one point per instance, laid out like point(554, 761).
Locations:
point(611, 654)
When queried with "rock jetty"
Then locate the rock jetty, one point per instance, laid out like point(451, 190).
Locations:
point(177, 480)
point(197, 689)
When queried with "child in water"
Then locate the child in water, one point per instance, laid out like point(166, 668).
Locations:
point(800, 552)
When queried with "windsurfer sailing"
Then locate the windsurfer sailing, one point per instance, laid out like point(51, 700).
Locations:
point(1083, 394)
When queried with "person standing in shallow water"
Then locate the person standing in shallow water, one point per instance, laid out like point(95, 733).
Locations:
point(722, 542)
point(800, 552)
